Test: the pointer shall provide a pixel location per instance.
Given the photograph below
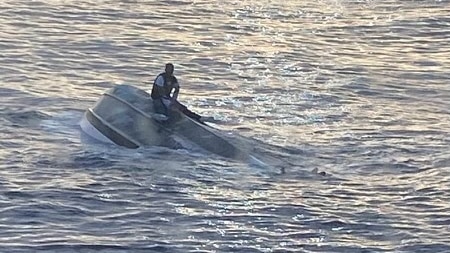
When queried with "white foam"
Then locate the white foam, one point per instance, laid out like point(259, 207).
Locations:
point(257, 162)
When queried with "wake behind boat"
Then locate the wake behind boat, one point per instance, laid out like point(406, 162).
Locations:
point(124, 115)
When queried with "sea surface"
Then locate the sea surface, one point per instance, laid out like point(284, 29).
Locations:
point(346, 101)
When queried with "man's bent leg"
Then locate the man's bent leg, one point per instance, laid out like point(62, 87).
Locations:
point(159, 107)
point(182, 108)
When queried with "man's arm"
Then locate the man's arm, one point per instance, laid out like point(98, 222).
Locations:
point(159, 86)
point(177, 90)
point(160, 81)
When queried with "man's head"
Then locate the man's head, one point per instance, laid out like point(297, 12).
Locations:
point(169, 68)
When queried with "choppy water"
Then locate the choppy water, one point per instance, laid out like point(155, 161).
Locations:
point(357, 89)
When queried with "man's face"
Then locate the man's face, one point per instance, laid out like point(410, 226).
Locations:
point(169, 70)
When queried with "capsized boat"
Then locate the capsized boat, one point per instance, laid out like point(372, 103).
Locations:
point(124, 115)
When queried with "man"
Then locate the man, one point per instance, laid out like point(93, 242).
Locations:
point(163, 99)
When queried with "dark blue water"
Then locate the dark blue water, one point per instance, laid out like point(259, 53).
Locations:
point(347, 101)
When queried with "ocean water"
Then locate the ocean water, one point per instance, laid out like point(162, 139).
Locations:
point(347, 101)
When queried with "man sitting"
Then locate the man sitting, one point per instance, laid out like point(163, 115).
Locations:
point(163, 98)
